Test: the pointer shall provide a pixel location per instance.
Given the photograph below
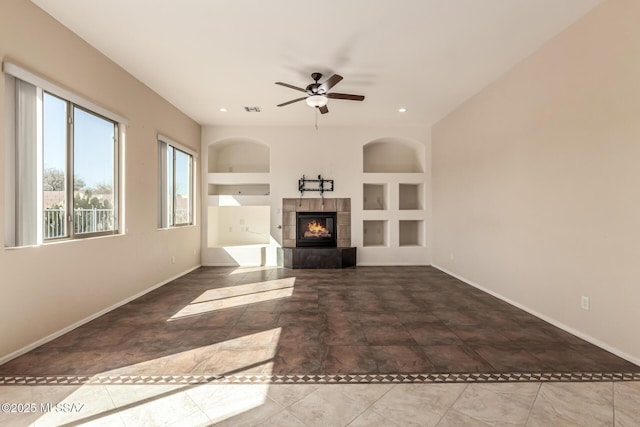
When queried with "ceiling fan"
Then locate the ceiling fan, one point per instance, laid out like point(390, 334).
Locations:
point(318, 93)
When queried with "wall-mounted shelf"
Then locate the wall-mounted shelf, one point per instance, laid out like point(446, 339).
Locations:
point(238, 189)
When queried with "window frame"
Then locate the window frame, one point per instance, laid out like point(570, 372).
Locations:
point(14, 73)
point(70, 220)
point(71, 173)
point(166, 219)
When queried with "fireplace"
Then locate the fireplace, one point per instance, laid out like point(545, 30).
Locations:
point(315, 229)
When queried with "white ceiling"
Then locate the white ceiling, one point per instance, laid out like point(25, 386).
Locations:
point(425, 55)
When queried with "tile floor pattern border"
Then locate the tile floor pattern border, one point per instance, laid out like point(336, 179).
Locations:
point(323, 378)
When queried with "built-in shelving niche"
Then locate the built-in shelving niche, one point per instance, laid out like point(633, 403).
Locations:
point(391, 156)
point(238, 156)
point(411, 233)
point(238, 186)
point(375, 233)
point(238, 225)
point(411, 197)
point(374, 197)
point(393, 194)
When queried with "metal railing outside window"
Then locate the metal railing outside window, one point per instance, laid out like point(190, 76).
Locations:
point(85, 221)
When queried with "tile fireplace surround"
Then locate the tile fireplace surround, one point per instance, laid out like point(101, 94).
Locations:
point(342, 206)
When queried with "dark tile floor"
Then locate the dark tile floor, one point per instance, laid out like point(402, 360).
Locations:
point(280, 321)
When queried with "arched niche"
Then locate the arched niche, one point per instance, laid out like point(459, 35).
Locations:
point(239, 155)
point(393, 155)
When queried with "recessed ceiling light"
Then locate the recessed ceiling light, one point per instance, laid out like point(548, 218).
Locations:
point(224, 110)
point(402, 110)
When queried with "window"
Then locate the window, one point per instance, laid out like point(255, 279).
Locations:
point(62, 170)
point(175, 198)
point(79, 170)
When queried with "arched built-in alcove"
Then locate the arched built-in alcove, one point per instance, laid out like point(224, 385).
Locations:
point(238, 155)
point(392, 155)
point(393, 195)
point(238, 212)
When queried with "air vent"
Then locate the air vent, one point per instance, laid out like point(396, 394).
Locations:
point(252, 109)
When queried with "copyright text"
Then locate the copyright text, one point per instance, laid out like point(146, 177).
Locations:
point(21, 408)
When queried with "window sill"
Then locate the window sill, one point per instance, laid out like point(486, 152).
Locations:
point(178, 227)
point(63, 241)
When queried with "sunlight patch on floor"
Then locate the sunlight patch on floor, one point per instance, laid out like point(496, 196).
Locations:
point(243, 270)
point(162, 404)
point(236, 296)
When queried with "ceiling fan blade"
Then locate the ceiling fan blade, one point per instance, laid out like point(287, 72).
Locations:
point(323, 109)
point(292, 101)
point(291, 86)
point(331, 82)
point(335, 95)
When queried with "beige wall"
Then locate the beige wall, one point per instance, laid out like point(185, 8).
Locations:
point(45, 289)
point(536, 181)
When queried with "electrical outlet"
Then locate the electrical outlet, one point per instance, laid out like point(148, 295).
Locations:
point(584, 303)
point(173, 259)
point(452, 256)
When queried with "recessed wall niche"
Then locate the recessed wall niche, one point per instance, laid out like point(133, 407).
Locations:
point(392, 156)
point(238, 156)
point(411, 233)
point(410, 197)
point(238, 225)
point(374, 233)
point(374, 197)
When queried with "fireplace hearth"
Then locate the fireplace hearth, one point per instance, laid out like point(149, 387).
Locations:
point(316, 229)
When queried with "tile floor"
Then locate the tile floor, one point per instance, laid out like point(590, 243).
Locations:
point(267, 325)
point(509, 404)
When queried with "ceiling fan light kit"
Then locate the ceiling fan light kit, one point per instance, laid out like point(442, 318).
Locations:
point(317, 101)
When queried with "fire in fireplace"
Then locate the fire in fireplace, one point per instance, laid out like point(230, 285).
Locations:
point(316, 229)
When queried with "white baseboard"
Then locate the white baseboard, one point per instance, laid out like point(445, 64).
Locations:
point(231, 264)
point(220, 264)
point(26, 349)
point(546, 318)
point(390, 264)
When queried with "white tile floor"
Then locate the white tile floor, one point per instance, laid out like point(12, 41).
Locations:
point(508, 404)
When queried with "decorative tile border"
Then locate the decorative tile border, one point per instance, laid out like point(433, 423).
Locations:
point(321, 378)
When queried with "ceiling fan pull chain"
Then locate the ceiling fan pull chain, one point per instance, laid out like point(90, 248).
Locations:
point(316, 118)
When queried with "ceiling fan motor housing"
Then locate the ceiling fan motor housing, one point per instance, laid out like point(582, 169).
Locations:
point(313, 89)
